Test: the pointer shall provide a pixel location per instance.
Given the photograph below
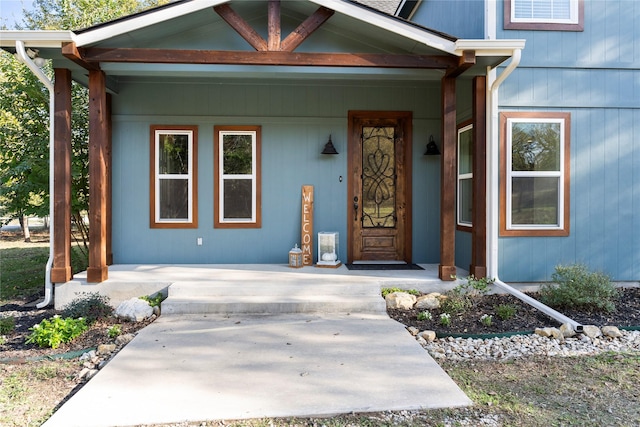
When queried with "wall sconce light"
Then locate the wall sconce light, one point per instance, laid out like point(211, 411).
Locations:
point(329, 148)
point(33, 54)
point(432, 148)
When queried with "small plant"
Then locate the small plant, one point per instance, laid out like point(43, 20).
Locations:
point(7, 325)
point(474, 287)
point(387, 291)
point(455, 303)
point(424, 315)
point(114, 331)
point(486, 319)
point(91, 307)
point(154, 301)
point(506, 311)
point(576, 287)
point(56, 331)
point(445, 319)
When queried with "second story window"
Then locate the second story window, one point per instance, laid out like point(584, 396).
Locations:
point(560, 15)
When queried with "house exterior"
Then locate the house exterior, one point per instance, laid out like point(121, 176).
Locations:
point(207, 117)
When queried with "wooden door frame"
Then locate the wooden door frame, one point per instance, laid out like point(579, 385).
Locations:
point(406, 119)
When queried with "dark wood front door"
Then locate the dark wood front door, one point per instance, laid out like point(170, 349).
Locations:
point(379, 196)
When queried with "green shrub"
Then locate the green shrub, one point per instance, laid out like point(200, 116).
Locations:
point(90, 306)
point(577, 288)
point(56, 331)
point(473, 287)
point(506, 311)
point(114, 331)
point(154, 301)
point(7, 325)
point(455, 303)
point(387, 291)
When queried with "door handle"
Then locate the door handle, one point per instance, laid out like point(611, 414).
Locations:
point(355, 208)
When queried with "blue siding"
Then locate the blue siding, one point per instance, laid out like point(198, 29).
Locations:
point(460, 18)
point(296, 121)
point(594, 75)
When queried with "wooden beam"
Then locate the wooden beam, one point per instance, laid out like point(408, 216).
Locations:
point(448, 167)
point(478, 266)
point(274, 26)
point(108, 181)
point(241, 26)
point(466, 61)
point(306, 28)
point(98, 135)
point(61, 270)
point(71, 51)
point(304, 59)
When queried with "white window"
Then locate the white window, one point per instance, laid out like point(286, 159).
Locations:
point(237, 184)
point(465, 176)
point(173, 185)
point(563, 15)
point(536, 174)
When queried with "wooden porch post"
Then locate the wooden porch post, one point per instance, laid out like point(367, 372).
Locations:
point(61, 221)
point(98, 141)
point(108, 182)
point(447, 267)
point(478, 266)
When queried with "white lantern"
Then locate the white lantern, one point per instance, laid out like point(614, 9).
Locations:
point(328, 249)
point(295, 257)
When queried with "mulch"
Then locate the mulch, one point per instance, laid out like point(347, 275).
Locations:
point(526, 319)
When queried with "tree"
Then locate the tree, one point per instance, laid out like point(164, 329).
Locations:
point(24, 113)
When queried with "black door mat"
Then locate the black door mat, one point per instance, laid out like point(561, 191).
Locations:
point(384, 267)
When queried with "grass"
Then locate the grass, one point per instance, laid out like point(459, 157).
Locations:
point(22, 269)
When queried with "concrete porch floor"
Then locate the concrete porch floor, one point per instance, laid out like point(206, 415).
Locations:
point(133, 280)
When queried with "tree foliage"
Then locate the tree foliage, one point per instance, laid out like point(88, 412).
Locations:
point(24, 112)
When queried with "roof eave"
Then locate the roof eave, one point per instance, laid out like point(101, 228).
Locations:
point(127, 24)
point(36, 39)
point(390, 23)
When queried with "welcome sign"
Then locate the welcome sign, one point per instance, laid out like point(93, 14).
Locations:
point(307, 225)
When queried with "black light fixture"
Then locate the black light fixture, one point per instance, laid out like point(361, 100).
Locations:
point(432, 148)
point(329, 148)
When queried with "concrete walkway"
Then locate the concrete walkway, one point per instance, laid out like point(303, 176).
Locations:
point(253, 341)
point(208, 367)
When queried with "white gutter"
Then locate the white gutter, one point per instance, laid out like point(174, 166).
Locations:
point(22, 55)
point(493, 159)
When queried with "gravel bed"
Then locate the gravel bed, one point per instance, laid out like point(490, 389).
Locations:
point(516, 346)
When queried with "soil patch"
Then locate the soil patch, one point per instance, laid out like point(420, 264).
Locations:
point(525, 319)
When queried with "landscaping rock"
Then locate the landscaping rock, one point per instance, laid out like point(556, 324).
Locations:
point(427, 302)
point(106, 349)
point(401, 300)
point(413, 330)
point(428, 336)
point(591, 331)
point(135, 310)
point(124, 339)
point(549, 333)
point(567, 330)
point(611, 332)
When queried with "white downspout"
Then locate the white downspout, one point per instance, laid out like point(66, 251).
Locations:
point(493, 159)
point(22, 55)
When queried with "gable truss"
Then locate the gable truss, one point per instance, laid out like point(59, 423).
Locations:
point(273, 51)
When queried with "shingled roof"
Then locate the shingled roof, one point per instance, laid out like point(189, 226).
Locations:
point(386, 6)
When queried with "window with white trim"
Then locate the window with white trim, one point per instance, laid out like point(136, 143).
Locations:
point(237, 180)
point(173, 177)
point(465, 176)
point(563, 15)
point(535, 174)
